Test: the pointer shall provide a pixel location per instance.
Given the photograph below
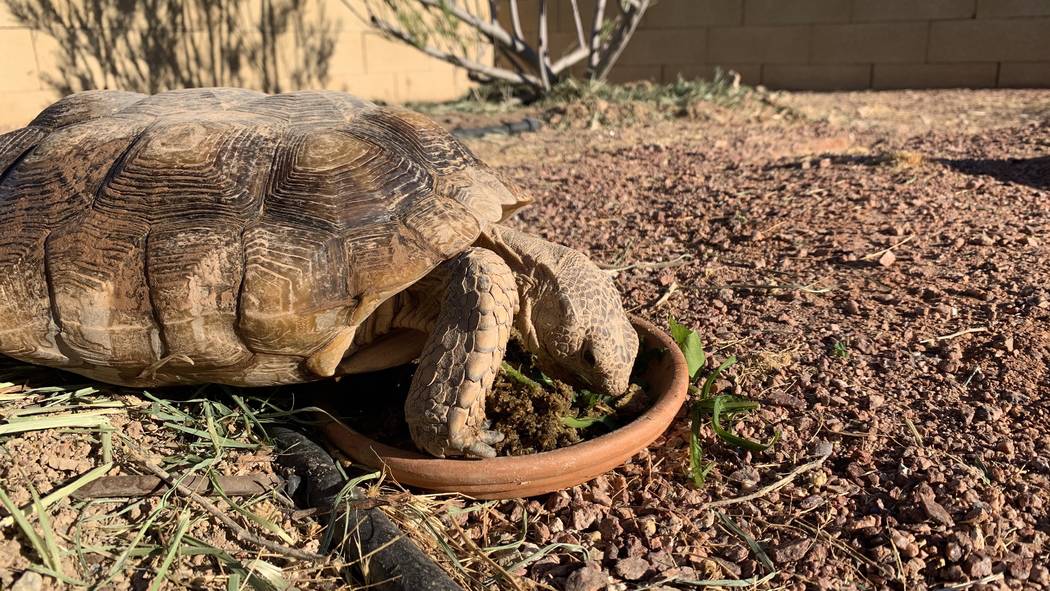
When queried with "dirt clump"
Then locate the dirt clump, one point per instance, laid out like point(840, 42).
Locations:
point(530, 418)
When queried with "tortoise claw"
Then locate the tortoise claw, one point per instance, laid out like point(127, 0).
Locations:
point(490, 436)
point(479, 450)
point(479, 446)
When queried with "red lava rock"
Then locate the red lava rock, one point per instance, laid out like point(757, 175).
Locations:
point(792, 552)
point(874, 401)
point(632, 568)
point(868, 521)
point(29, 581)
point(610, 529)
point(976, 514)
point(588, 577)
point(953, 572)
point(933, 509)
point(583, 517)
point(988, 412)
point(541, 532)
point(1040, 575)
point(731, 191)
point(785, 399)
point(1020, 568)
point(634, 547)
point(982, 239)
point(557, 501)
point(978, 566)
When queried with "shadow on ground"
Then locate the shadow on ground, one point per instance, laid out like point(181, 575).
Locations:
point(1033, 172)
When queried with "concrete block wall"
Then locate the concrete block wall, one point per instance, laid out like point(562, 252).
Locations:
point(833, 44)
point(791, 44)
point(364, 63)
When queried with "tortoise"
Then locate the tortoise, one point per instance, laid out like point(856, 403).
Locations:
point(228, 236)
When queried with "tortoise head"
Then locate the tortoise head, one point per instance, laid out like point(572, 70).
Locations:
point(581, 331)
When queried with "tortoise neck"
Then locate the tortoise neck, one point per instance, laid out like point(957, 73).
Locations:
point(530, 259)
point(511, 245)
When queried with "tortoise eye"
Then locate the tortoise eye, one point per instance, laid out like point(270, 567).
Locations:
point(588, 357)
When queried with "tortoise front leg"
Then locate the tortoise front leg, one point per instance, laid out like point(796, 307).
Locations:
point(445, 409)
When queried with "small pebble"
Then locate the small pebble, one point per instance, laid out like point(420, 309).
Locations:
point(29, 581)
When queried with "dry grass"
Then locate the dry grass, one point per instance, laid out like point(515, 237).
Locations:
point(170, 541)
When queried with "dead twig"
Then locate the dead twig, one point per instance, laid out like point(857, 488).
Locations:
point(875, 255)
point(765, 490)
point(241, 533)
point(914, 432)
point(469, 543)
point(949, 337)
point(967, 584)
point(900, 567)
point(666, 295)
point(134, 485)
point(774, 286)
point(675, 262)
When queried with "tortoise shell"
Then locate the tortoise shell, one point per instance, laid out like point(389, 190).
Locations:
point(222, 235)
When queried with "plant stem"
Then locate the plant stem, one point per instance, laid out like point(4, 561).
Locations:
point(519, 377)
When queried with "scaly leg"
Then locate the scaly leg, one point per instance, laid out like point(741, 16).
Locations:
point(445, 409)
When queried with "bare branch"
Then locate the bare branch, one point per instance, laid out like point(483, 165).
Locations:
point(531, 64)
point(544, 57)
point(491, 30)
point(596, 38)
point(514, 59)
point(515, 19)
point(579, 23)
point(570, 60)
point(628, 23)
point(470, 65)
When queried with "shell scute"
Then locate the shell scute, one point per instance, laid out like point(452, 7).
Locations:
point(100, 292)
point(195, 277)
point(52, 185)
point(294, 297)
point(85, 106)
point(308, 107)
point(191, 100)
point(184, 168)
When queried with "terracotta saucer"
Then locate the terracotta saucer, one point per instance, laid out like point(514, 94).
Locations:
point(523, 476)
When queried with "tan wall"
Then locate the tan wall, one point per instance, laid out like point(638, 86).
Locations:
point(834, 44)
point(364, 63)
point(799, 44)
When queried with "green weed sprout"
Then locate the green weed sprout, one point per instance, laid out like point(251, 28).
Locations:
point(706, 403)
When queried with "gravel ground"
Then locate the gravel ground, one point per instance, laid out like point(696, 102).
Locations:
point(879, 263)
point(885, 284)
